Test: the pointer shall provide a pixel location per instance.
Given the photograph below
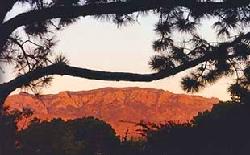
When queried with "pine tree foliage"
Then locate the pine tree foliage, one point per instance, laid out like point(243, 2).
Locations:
point(228, 57)
point(30, 47)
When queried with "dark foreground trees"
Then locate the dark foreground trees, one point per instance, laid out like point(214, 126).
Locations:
point(8, 135)
point(8, 130)
point(76, 137)
point(27, 40)
point(223, 131)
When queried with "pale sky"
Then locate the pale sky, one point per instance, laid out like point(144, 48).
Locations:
point(102, 46)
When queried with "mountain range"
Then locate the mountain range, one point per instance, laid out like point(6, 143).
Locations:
point(122, 108)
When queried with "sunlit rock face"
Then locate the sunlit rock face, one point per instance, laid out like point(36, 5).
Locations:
point(120, 107)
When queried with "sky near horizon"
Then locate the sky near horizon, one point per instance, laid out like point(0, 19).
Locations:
point(100, 45)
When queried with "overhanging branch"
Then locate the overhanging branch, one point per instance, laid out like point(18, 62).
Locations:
point(62, 69)
point(106, 8)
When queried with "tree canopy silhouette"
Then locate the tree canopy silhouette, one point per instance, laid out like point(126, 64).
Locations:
point(74, 137)
point(27, 40)
point(223, 130)
point(8, 130)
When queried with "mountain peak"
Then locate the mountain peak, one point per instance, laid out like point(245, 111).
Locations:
point(64, 94)
point(131, 104)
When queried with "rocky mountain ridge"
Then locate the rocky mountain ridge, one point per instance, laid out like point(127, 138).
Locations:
point(120, 107)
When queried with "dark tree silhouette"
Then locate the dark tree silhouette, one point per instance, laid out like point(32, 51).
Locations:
point(8, 130)
point(224, 130)
point(74, 137)
point(27, 40)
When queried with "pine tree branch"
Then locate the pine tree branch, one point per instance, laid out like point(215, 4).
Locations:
point(99, 9)
point(5, 6)
point(112, 8)
point(63, 69)
point(106, 8)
